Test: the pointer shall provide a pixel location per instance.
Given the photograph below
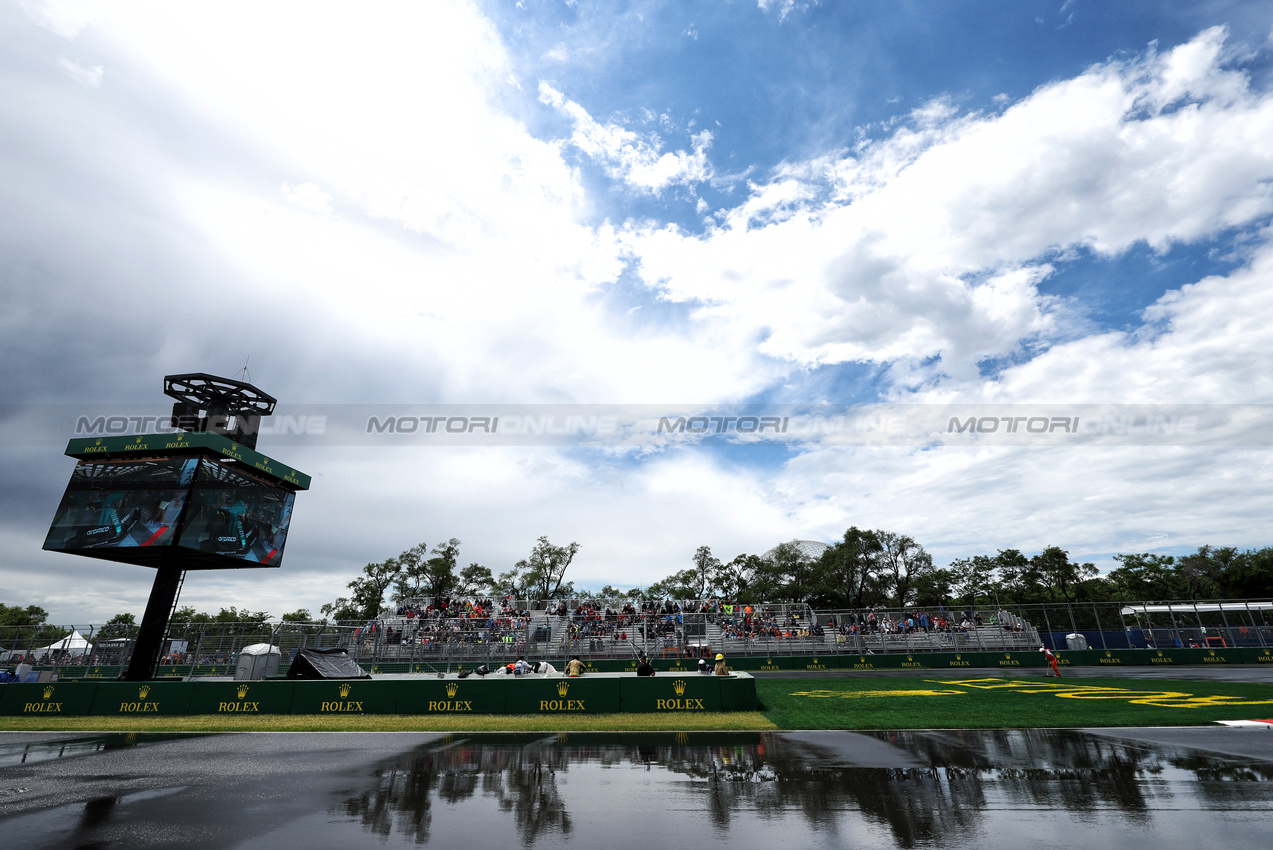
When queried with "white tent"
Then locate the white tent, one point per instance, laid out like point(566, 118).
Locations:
point(73, 644)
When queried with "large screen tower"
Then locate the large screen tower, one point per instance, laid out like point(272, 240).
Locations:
point(199, 498)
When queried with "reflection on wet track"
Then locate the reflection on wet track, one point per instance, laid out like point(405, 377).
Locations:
point(901, 789)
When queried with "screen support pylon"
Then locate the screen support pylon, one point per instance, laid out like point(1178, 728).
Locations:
point(154, 623)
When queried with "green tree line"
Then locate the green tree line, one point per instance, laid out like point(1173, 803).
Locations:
point(864, 569)
point(869, 568)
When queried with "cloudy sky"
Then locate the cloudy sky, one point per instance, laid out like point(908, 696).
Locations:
point(557, 205)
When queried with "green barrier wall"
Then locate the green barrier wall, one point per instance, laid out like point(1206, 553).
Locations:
point(1220, 655)
point(688, 694)
point(1166, 657)
point(148, 698)
point(871, 662)
point(472, 695)
point(755, 663)
point(1018, 658)
point(737, 693)
point(1252, 655)
point(957, 660)
point(815, 663)
point(564, 696)
point(351, 696)
point(47, 700)
point(1115, 657)
point(237, 698)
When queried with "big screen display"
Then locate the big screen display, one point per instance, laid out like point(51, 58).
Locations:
point(130, 510)
point(121, 504)
point(234, 514)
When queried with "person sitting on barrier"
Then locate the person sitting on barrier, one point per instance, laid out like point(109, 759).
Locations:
point(520, 667)
point(574, 667)
point(644, 667)
point(702, 666)
point(543, 668)
point(721, 669)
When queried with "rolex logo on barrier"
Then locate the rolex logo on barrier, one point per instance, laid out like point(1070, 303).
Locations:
point(563, 687)
point(345, 690)
point(680, 703)
point(240, 706)
point(45, 707)
point(452, 704)
point(141, 706)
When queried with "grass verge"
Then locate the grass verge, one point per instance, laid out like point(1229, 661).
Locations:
point(992, 703)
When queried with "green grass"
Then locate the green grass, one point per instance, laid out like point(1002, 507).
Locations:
point(978, 702)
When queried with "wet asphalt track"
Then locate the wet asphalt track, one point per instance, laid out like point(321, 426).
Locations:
point(1123, 788)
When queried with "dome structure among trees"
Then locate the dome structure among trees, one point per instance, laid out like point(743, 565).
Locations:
point(811, 549)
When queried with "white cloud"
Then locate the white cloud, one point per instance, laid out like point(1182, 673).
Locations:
point(628, 157)
point(1206, 343)
point(89, 77)
point(67, 19)
point(307, 196)
point(930, 243)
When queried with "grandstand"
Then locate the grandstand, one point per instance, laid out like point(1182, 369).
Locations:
point(439, 634)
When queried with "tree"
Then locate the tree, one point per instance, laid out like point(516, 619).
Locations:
point(413, 581)
point(848, 572)
point(904, 562)
point(1202, 574)
point(430, 577)
point(935, 588)
point(474, 580)
point(1060, 574)
point(794, 571)
point(544, 570)
point(734, 580)
point(119, 626)
point(14, 615)
point(705, 569)
point(300, 615)
point(368, 595)
point(339, 610)
point(1144, 577)
point(1019, 578)
point(973, 578)
point(18, 623)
